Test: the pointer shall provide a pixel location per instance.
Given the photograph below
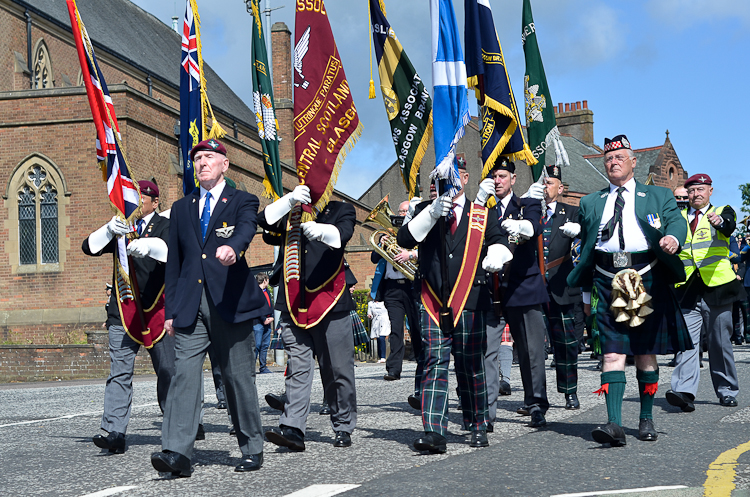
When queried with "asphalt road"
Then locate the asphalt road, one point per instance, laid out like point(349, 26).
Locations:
point(46, 448)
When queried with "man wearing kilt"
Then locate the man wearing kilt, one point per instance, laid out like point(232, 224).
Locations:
point(630, 226)
point(472, 245)
point(559, 229)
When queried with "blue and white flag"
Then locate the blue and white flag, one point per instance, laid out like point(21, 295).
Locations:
point(450, 104)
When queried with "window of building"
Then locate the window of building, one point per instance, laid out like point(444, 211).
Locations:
point(671, 173)
point(42, 66)
point(36, 210)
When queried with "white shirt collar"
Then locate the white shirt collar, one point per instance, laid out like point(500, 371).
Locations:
point(147, 219)
point(702, 210)
point(552, 206)
point(215, 191)
point(460, 200)
point(629, 186)
point(506, 200)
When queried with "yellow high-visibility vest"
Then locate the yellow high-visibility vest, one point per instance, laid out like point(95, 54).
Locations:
point(708, 251)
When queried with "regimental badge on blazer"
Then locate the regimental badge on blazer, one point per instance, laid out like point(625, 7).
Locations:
point(654, 221)
point(225, 231)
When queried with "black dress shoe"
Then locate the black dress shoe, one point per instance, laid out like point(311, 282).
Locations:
point(201, 435)
point(537, 419)
point(114, 442)
point(432, 442)
point(504, 388)
point(415, 402)
point(343, 439)
point(646, 430)
point(673, 361)
point(222, 404)
point(171, 462)
point(523, 411)
point(286, 436)
point(726, 401)
point(276, 401)
point(391, 377)
point(682, 400)
point(571, 401)
point(324, 408)
point(611, 434)
point(232, 431)
point(479, 439)
point(251, 462)
point(490, 428)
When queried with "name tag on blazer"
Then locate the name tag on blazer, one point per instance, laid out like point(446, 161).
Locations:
point(225, 232)
point(654, 221)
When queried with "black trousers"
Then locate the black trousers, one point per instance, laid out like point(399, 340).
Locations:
point(399, 302)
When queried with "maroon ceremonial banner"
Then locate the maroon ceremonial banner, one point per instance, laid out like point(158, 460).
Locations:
point(462, 287)
point(326, 124)
point(154, 317)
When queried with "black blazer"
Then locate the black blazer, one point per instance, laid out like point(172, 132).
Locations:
point(429, 265)
point(559, 246)
point(321, 261)
point(525, 284)
point(149, 272)
point(192, 263)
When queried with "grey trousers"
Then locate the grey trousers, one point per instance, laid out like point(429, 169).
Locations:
point(332, 342)
point(528, 330)
point(118, 393)
point(495, 327)
point(717, 321)
point(234, 348)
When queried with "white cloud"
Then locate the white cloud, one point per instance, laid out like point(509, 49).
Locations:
point(686, 13)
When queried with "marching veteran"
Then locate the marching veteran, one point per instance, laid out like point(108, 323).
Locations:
point(315, 307)
point(149, 255)
point(630, 235)
point(707, 297)
point(211, 300)
point(472, 245)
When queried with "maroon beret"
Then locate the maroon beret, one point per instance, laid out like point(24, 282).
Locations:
point(211, 144)
point(148, 188)
point(698, 179)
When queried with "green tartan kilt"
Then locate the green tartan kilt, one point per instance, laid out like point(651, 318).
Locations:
point(663, 332)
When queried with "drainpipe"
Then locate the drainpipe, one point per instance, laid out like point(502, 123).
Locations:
point(28, 46)
point(150, 86)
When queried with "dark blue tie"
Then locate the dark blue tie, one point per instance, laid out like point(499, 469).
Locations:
point(141, 224)
point(206, 216)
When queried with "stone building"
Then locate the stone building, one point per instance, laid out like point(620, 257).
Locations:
point(53, 193)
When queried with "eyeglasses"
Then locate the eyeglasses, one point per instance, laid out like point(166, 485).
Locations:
point(681, 198)
point(616, 158)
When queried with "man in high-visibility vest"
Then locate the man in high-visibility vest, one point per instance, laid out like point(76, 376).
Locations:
point(706, 297)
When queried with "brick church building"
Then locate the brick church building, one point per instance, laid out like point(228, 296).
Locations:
point(53, 192)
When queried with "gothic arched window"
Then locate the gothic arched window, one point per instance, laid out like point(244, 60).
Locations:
point(42, 76)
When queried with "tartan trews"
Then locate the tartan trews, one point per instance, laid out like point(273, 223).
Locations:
point(561, 320)
point(468, 345)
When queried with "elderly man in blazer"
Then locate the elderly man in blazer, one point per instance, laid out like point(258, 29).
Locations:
point(211, 299)
point(559, 229)
point(630, 226)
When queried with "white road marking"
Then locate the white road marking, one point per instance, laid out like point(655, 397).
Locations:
point(69, 416)
point(322, 490)
point(623, 491)
point(109, 491)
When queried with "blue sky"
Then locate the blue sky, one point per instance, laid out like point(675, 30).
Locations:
point(644, 66)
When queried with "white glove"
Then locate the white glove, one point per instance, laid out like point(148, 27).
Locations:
point(425, 220)
point(117, 226)
point(571, 230)
point(412, 206)
point(326, 233)
point(497, 255)
point(156, 248)
point(521, 227)
point(275, 211)
point(535, 191)
point(486, 188)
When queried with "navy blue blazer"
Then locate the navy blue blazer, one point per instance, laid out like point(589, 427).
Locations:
point(525, 283)
point(192, 263)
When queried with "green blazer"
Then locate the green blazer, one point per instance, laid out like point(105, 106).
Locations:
point(655, 200)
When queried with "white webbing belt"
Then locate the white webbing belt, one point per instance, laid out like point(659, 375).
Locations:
point(641, 271)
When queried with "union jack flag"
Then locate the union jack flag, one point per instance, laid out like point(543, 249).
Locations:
point(192, 128)
point(123, 191)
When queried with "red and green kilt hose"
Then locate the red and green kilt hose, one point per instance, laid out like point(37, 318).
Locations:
point(663, 332)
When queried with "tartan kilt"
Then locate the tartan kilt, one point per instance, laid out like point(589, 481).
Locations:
point(663, 332)
point(361, 336)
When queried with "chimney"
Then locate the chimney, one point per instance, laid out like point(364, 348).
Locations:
point(281, 58)
point(577, 121)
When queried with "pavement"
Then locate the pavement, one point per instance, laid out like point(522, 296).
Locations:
point(46, 447)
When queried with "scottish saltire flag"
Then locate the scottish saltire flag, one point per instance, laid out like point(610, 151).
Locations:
point(540, 114)
point(449, 102)
point(123, 192)
point(407, 101)
point(485, 65)
point(195, 109)
point(265, 116)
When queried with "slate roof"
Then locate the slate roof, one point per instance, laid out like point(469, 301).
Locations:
point(131, 34)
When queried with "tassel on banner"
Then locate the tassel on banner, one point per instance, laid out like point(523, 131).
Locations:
point(372, 89)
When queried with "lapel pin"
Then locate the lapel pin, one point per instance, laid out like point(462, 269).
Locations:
point(193, 200)
point(603, 195)
point(641, 194)
point(224, 200)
